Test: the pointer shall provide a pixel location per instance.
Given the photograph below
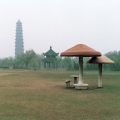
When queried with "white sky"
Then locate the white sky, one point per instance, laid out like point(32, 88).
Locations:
point(60, 24)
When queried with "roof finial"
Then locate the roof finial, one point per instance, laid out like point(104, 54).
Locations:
point(50, 47)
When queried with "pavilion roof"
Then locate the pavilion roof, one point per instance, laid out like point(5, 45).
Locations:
point(50, 52)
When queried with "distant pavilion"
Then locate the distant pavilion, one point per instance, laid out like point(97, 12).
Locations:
point(50, 58)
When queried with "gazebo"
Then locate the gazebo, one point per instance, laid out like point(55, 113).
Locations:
point(50, 58)
point(80, 50)
point(100, 60)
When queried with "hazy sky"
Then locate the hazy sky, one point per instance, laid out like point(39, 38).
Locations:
point(60, 24)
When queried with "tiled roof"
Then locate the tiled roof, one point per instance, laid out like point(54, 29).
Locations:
point(50, 52)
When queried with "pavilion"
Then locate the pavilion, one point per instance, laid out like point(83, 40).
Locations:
point(50, 58)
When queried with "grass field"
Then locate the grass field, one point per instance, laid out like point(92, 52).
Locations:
point(42, 95)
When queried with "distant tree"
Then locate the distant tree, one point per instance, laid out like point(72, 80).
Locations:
point(23, 60)
point(75, 61)
point(19, 61)
point(76, 66)
point(28, 56)
point(7, 62)
point(67, 63)
point(58, 62)
point(39, 60)
point(115, 56)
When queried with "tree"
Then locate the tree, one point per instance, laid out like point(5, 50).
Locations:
point(68, 63)
point(39, 59)
point(115, 56)
point(7, 62)
point(19, 61)
point(23, 60)
point(28, 56)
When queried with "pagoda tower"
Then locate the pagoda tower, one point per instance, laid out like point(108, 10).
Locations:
point(19, 45)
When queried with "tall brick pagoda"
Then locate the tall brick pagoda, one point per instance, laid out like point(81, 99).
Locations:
point(50, 58)
point(19, 45)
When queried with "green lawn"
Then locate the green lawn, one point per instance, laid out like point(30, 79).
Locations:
point(42, 95)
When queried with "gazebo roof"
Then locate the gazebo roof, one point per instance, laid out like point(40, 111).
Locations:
point(50, 52)
point(101, 59)
point(81, 50)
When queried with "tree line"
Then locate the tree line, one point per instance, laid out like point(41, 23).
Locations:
point(31, 60)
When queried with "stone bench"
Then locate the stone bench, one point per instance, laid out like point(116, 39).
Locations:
point(67, 83)
point(75, 78)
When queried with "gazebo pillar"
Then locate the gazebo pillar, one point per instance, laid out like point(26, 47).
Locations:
point(80, 84)
point(100, 75)
point(80, 70)
point(44, 64)
point(100, 60)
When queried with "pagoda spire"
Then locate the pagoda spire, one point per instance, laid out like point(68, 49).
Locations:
point(19, 45)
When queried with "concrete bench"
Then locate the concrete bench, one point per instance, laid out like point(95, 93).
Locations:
point(67, 83)
point(75, 78)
